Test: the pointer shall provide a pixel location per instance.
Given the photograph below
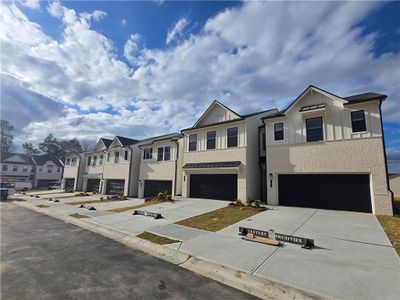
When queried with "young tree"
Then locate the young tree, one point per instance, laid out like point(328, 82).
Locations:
point(6, 136)
point(30, 149)
point(50, 145)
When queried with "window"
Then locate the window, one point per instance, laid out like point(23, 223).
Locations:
point(167, 153)
point(358, 121)
point(278, 131)
point(15, 168)
point(94, 160)
point(148, 153)
point(73, 161)
point(108, 156)
point(67, 161)
point(232, 137)
point(40, 169)
point(116, 157)
point(160, 153)
point(314, 129)
point(58, 170)
point(88, 160)
point(211, 140)
point(193, 142)
point(5, 167)
point(49, 168)
point(126, 155)
point(24, 169)
point(101, 159)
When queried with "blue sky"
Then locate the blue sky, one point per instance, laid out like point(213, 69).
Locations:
point(88, 68)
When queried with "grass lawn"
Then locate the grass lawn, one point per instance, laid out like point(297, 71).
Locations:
point(220, 218)
point(146, 203)
point(391, 225)
point(42, 206)
point(92, 201)
point(161, 240)
point(79, 216)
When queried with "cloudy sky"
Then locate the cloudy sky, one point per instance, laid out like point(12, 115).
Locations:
point(85, 69)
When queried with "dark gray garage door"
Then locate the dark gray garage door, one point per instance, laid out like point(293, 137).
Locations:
point(153, 187)
point(337, 192)
point(93, 185)
point(115, 187)
point(214, 186)
point(69, 183)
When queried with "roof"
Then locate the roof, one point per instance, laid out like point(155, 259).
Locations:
point(126, 141)
point(364, 97)
point(394, 175)
point(163, 137)
point(6, 155)
point(106, 142)
point(42, 159)
point(221, 164)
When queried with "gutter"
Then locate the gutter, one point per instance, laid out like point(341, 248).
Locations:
point(384, 155)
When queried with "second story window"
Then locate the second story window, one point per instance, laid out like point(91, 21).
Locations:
point(73, 162)
point(211, 140)
point(126, 155)
point(167, 153)
point(193, 142)
point(160, 153)
point(116, 157)
point(5, 168)
point(358, 121)
point(58, 170)
point(67, 162)
point(108, 156)
point(15, 168)
point(88, 160)
point(278, 131)
point(314, 129)
point(49, 168)
point(232, 137)
point(263, 141)
point(24, 169)
point(101, 159)
point(148, 153)
point(94, 160)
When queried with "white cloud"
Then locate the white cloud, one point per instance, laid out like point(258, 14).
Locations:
point(176, 30)
point(32, 4)
point(124, 22)
point(252, 57)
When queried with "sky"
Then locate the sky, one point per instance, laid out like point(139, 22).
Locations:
point(87, 69)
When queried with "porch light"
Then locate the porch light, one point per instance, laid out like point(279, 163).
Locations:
point(270, 176)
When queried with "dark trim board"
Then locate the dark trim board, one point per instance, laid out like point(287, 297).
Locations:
point(348, 192)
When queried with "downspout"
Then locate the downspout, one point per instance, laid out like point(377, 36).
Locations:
point(176, 165)
point(130, 171)
point(384, 155)
point(260, 165)
point(77, 173)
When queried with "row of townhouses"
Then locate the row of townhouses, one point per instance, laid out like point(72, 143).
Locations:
point(322, 151)
point(39, 170)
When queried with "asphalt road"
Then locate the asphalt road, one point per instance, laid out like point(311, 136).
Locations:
point(45, 258)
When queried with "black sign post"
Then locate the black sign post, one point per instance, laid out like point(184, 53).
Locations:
point(147, 214)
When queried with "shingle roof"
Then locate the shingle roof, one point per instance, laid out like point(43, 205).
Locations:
point(364, 97)
point(106, 142)
point(42, 159)
point(126, 141)
point(6, 155)
point(221, 164)
point(160, 138)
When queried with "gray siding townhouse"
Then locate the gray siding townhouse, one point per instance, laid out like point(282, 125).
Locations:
point(74, 166)
point(326, 151)
point(161, 165)
point(17, 167)
point(221, 155)
point(48, 170)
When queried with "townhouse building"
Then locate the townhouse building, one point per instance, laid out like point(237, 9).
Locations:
point(48, 170)
point(221, 155)
point(17, 167)
point(325, 151)
point(161, 165)
point(74, 166)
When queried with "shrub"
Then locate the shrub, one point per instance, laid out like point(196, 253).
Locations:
point(239, 202)
point(101, 198)
point(124, 198)
point(69, 190)
point(254, 203)
point(168, 197)
point(160, 196)
point(37, 196)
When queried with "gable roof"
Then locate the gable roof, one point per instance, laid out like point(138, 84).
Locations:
point(215, 102)
point(126, 141)
point(7, 155)
point(347, 100)
point(106, 142)
point(40, 160)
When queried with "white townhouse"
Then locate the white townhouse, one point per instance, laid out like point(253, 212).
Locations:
point(221, 155)
point(48, 170)
point(74, 166)
point(326, 151)
point(161, 165)
point(17, 167)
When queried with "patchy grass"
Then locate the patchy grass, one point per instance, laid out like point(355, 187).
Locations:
point(154, 238)
point(391, 225)
point(42, 206)
point(221, 218)
point(127, 208)
point(79, 216)
point(397, 198)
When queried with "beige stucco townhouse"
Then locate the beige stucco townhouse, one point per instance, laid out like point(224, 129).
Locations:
point(326, 151)
point(221, 155)
point(161, 165)
point(74, 166)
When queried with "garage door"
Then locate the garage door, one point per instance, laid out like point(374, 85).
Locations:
point(46, 183)
point(153, 187)
point(93, 185)
point(337, 192)
point(214, 186)
point(69, 183)
point(115, 187)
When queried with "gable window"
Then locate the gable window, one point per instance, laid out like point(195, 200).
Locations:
point(148, 153)
point(67, 162)
point(101, 159)
point(160, 153)
point(94, 160)
point(15, 168)
point(58, 170)
point(49, 168)
point(116, 157)
point(88, 160)
point(193, 142)
point(358, 121)
point(232, 137)
point(278, 131)
point(40, 169)
point(167, 153)
point(73, 161)
point(211, 140)
point(126, 155)
point(24, 169)
point(5, 167)
point(108, 156)
point(314, 129)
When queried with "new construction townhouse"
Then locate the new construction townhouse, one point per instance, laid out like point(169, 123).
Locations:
point(322, 151)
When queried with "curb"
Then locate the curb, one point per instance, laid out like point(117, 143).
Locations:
point(257, 286)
